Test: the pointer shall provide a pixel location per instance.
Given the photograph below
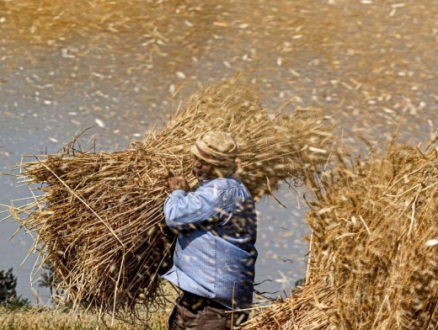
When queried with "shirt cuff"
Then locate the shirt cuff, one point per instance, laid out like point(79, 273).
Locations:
point(178, 193)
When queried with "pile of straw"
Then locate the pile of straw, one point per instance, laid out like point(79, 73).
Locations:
point(374, 246)
point(99, 220)
point(308, 307)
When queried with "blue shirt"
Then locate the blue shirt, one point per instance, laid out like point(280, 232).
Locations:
point(215, 254)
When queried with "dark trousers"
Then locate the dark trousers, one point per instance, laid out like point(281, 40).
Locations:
point(192, 312)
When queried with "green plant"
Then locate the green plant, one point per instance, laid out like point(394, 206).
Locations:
point(17, 303)
point(8, 283)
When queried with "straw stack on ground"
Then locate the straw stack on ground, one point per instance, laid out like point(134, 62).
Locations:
point(308, 307)
point(99, 220)
point(374, 255)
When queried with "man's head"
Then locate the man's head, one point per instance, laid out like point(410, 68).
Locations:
point(215, 155)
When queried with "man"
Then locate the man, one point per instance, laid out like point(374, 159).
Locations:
point(215, 255)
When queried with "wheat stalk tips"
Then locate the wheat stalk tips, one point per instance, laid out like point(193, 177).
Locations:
point(372, 261)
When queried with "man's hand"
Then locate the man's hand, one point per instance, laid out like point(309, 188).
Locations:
point(178, 182)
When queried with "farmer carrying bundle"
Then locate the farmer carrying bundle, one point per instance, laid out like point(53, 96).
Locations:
point(100, 221)
point(214, 259)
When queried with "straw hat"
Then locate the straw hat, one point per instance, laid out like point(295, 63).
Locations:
point(216, 148)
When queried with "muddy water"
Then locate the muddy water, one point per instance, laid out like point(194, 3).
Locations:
point(116, 65)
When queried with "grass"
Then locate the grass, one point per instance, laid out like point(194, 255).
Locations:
point(41, 318)
point(38, 318)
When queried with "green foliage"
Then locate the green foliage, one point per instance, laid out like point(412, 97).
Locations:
point(17, 303)
point(8, 283)
point(8, 293)
point(300, 282)
point(48, 278)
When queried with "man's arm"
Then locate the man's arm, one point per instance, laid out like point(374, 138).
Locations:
point(184, 210)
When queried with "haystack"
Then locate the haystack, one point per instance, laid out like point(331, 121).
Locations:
point(99, 219)
point(309, 307)
point(374, 257)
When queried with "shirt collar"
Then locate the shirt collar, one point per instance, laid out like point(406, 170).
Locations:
point(203, 182)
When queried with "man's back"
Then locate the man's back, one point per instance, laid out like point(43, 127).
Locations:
point(215, 253)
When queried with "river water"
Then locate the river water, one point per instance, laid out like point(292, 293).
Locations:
point(115, 65)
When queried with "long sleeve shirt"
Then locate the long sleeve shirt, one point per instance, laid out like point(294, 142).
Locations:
point(215, 254)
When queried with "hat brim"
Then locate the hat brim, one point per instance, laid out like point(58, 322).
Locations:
point(214, 162)
point(195, 152)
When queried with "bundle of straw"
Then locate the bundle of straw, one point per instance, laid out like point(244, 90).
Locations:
point(375, 241)
point(100, 220)
point(309, 307)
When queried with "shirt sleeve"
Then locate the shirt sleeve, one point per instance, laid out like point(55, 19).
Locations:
point(187, 210)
